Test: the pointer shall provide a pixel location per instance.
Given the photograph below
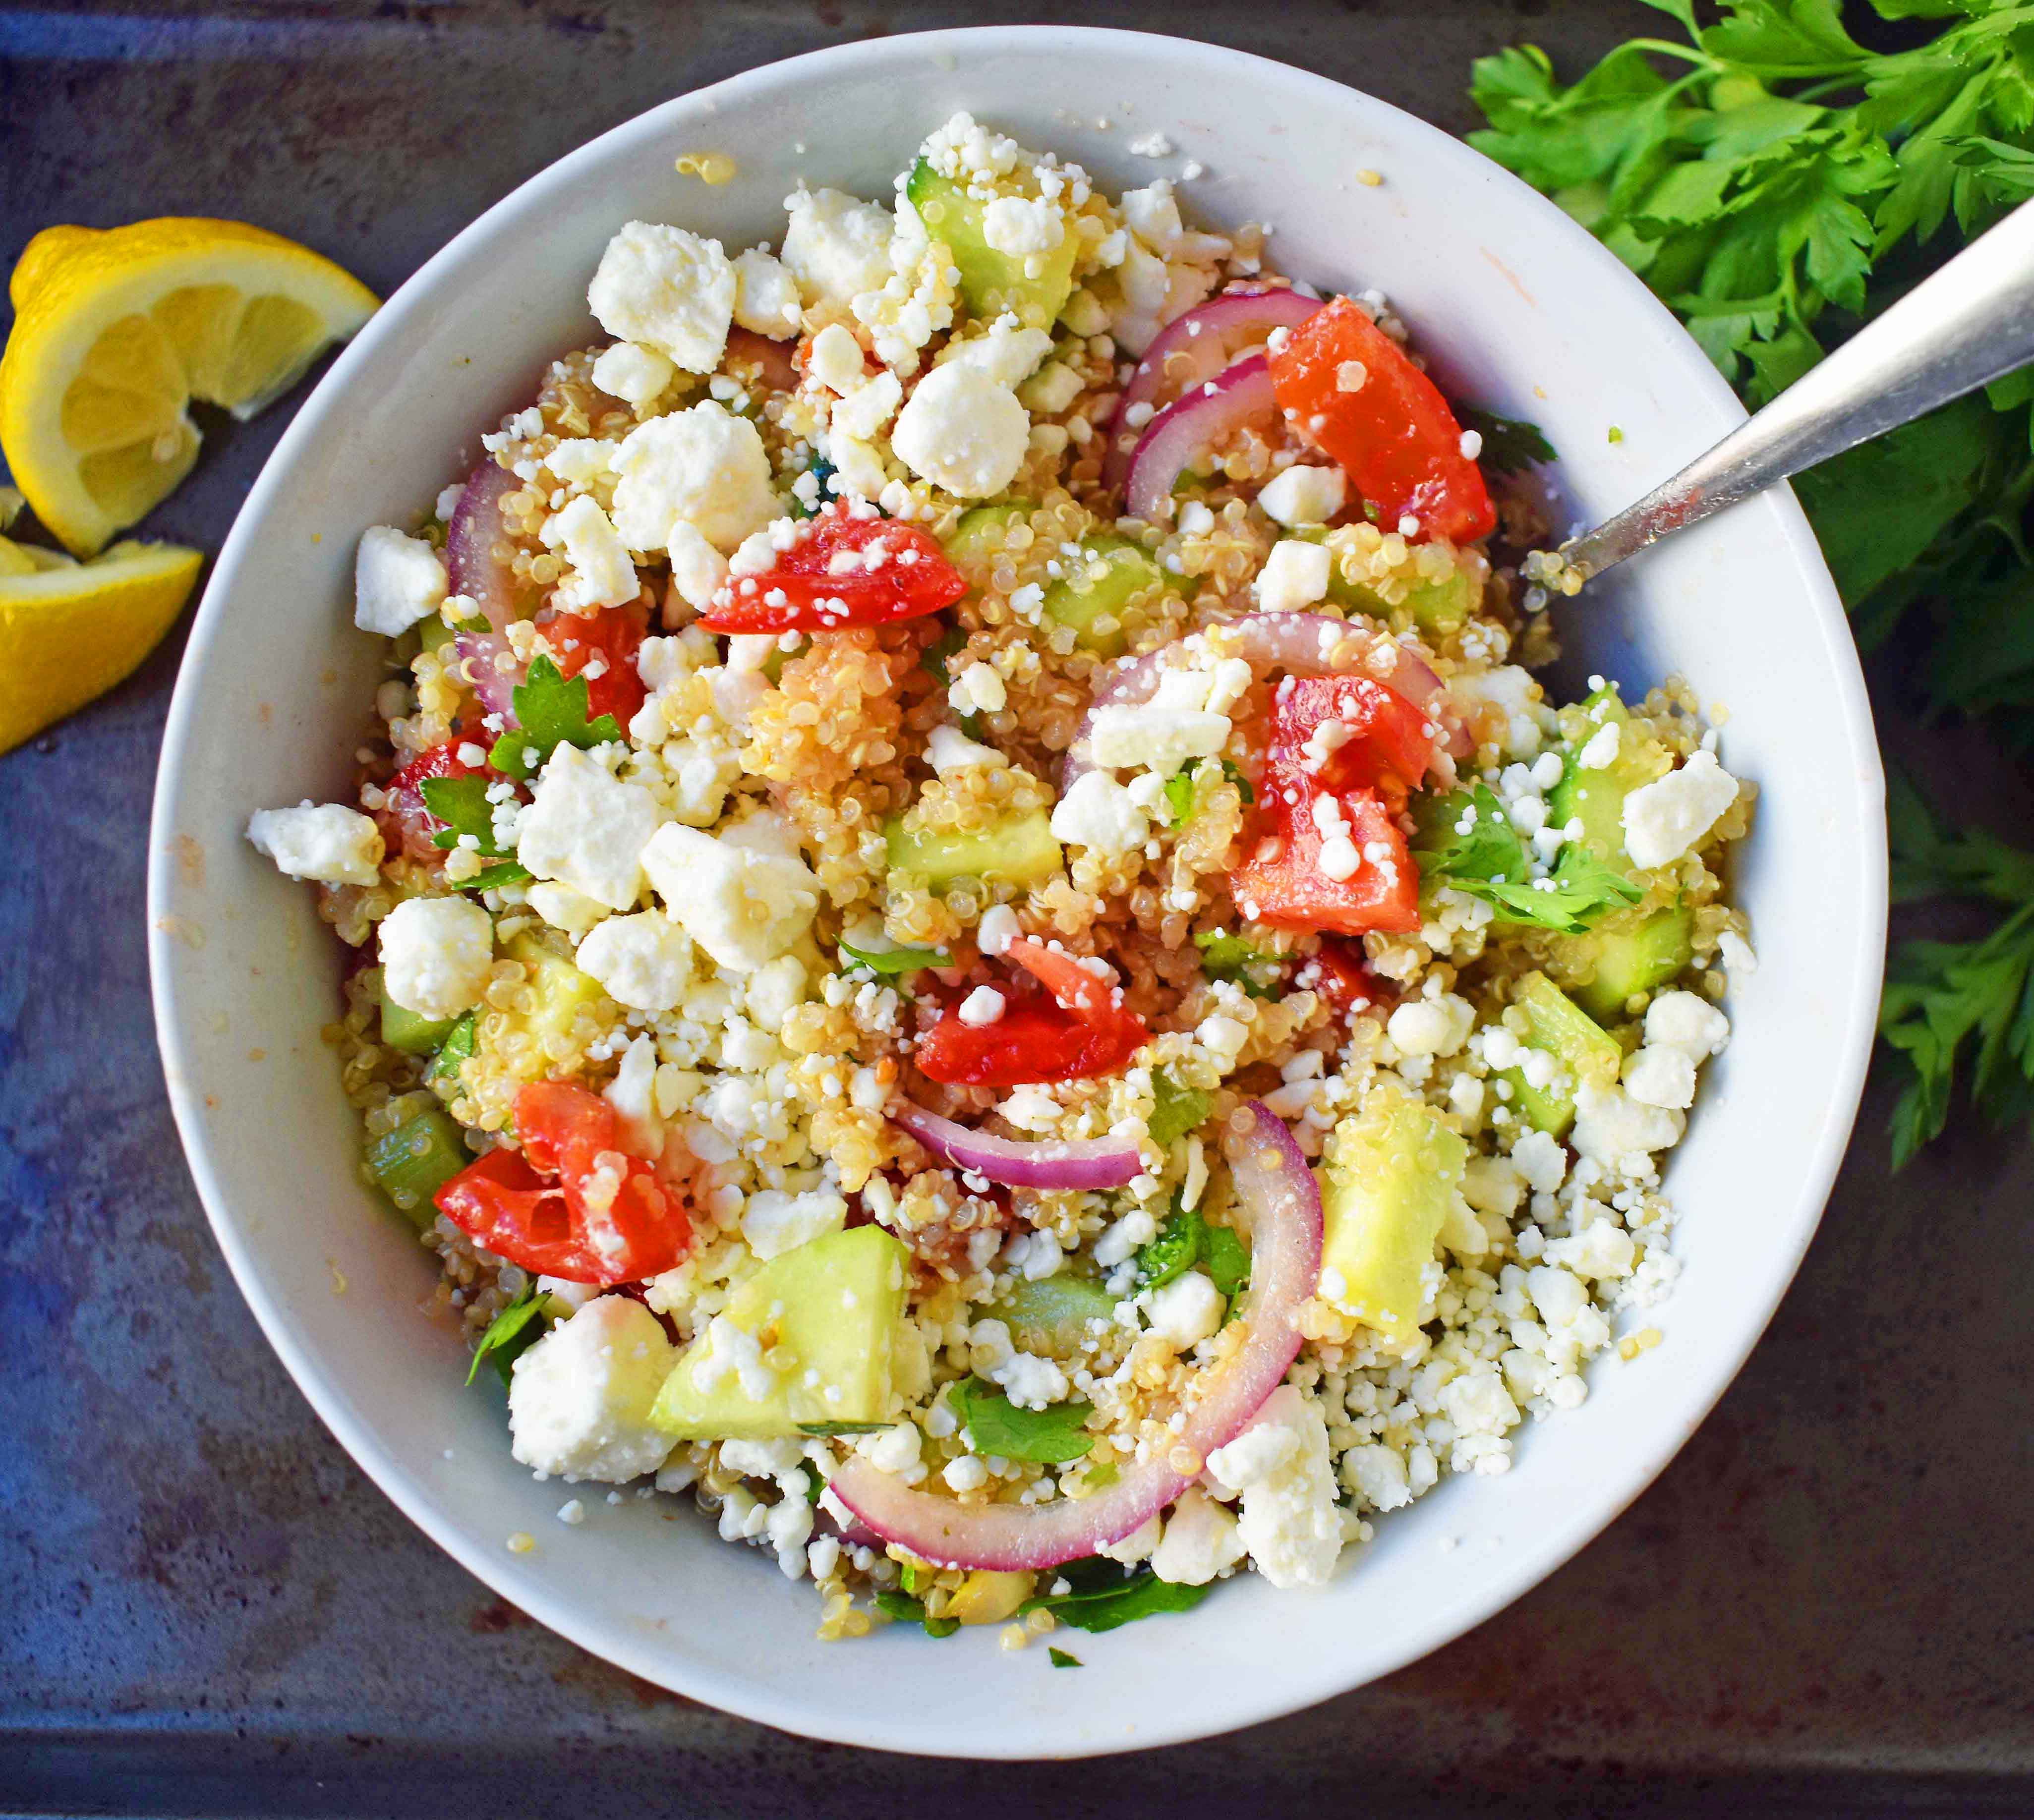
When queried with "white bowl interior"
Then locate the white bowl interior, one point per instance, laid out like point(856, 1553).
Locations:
point(1522, 311)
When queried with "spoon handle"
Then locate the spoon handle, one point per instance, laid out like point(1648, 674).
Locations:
point(1963, 326)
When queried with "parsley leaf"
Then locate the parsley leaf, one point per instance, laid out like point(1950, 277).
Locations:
point(1103, 1596)
point(551, 711)
point(907, 1610)
point(996, 1425)
point(1175, 1110)
point(1233, 772)
point(1175, 1250)
point(510, 1335)
point(1060, 1659)
point(1468, 844)
point(1179, 798)
point(456, 1048)
point(894, 963)
point(1225, 955)
point(461, 804)
point(1510, 443)
point(493, 877)
point(1227, 1258)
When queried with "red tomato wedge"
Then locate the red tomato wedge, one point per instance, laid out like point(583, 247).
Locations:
point(1349, 388)
point(843, 571)
point(1080, 1035)
point(1341, 975)
point(405, 823)
point(1352, 733)
point(612, 636)
point(571, 1203)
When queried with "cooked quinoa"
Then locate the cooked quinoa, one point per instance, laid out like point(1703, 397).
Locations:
point(769, 910)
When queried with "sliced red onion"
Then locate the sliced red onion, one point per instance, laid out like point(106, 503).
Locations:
point(1236, 396)
point(480, 654)
point(472, 539)
point(1191, 349)
point(1303, 644)
point(1276, 1190)
point(1071, 1163)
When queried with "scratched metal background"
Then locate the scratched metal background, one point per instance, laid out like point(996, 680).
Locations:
point(1827, 1603)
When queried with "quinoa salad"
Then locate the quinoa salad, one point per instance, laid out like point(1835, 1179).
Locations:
point(969, 936)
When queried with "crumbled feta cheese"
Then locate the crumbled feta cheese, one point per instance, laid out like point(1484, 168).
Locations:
point(697, 568)
point(765, 296)
point(1140, 1544)
point(325, 841)
point(998, 928)
point(1021, 226)
point(1602, 1250)
point(1614, 1129)
point(1030, 1382)
point(863, 413)
point(667, 289)
point(586, 828)
point(1662, 820)
point(1051, 389)
point(564, 908)
point(598, 572)
point(1199, 1539)
point(397, 580)
point(1656, 1075)
point(1151, 145)
point(1435, 1026)
point(579, 458)
point(1478, 1402)
point(743, 906)
point(1295, 575)
point(578, 1400)
point(1185, 1311)
point(437, 956)
point(1154, 737)
point(963, 431)
point(644, 961)
point(773, 1222)
point(1100, 812)
point(835, 359)
point(1503, 708)
point(948, 749)
point(1540, 1160)
point(1599, 753)
point(966, 1474)
point(704, 467)
point(1280, 1463)
point(634, 374)
point(1735, 954)
point(1686, 1022)
point(835, 246)
point(982, 1007)
point(1303, 495)
point(1004, 355)
point(977, 689)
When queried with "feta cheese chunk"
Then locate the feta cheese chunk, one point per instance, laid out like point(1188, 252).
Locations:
point(599, 573)
point(1614, 1129)
point(1304, 495)
point(864, 410)
point(1199, 1539)
point(948, 749)
point(1686, 1022)
point(1138, 1544)
point(835, 360)
point(1279, 1463)
point(836, 247)
point(1185, 1311)
point(578, 1400)
point(1503, 708)
point(1154, 737)
point(1021, 226)
point(963, 431)
point(1006, 355)
point(1658, 1076)
point(645, 961)
point(438, 954)
point(1663, 820)
point(667, 289)
point(697, 568)
point(397, 580)
point(1435, 1027)
point(564, 908)
point(587, 829)
point(773, 1222)
point(743, 906)
point(765, 296)
point(1100, 812)
point(634, 374)
point(703, 467)
point(1295, 575)
point(325, 841)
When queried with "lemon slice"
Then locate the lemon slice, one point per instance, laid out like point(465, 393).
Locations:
point(70, 631)
point(115, 333)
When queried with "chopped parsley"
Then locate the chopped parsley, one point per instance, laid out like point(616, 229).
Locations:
point(462, 803)
point(1175, 1110)
point(510, 1335)
point(1467, 843)
point(551, 711)
point(1102, 1596)
point(1226, 955)
point(1510, 443)
point(1053, 1436)
point(1060, 1658)
point(894, 963)
point(1174, 1251)
point(456, 1048)
point(907, 1610)
point(1227, 1258)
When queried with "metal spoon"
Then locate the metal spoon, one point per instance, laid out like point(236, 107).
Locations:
point(1966, 325)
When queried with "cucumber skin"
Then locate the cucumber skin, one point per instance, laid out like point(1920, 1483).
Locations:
point(991, 283)
point(408, 1031)
point(1640, 959)
point(1130, 571)
point(398, 1169)
point(1020, 852)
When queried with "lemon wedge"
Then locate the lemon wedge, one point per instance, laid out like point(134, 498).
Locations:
point(70, 631)
point(115, 333)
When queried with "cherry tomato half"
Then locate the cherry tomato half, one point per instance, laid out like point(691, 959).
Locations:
point(844, 570)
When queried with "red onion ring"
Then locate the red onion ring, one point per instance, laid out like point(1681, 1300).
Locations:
point(1305, 644)
point(1192, 348)
point(475, 530)
point(1236, 396)
point(1277, 1190)
point(1076, 1163)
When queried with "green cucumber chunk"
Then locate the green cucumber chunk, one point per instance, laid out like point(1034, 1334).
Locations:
point(1387, 1183)
point(1635, 955)
point(991, 283)
point(1596, 798)
point(407, 1030)
point(1092, 602)
point(412, 1162)
point(827, 1313)
point(969, 543)
point(1438, 607)
point(1051, 1316)
point(1558, 1025)
point(1020, 851)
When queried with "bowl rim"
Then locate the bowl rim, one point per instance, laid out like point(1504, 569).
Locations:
point(1850, 1055)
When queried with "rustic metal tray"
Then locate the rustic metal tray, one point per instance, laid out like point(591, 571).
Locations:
point(1826, 1604)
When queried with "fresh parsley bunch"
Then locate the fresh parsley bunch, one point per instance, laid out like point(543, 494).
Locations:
point(1779, 176)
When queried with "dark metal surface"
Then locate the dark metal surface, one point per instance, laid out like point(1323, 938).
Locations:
point(1827, 1603)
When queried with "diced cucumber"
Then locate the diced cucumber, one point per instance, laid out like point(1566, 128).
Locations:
point(1562, 1027)
point(1051, 1316)
point(1387, 1183)
point(970, 544)
point(1596, 798)
point(1080, 600)
point(1020, 851)
point(561, 992)
point(1634, 954)
point(412, 1162)
point(991, 283)
point(1545, 1111)
point(406, 1029)
point(825, 1316)
point(1438, 607)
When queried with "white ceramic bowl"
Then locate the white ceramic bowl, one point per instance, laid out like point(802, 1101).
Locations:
point(1522, 311)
